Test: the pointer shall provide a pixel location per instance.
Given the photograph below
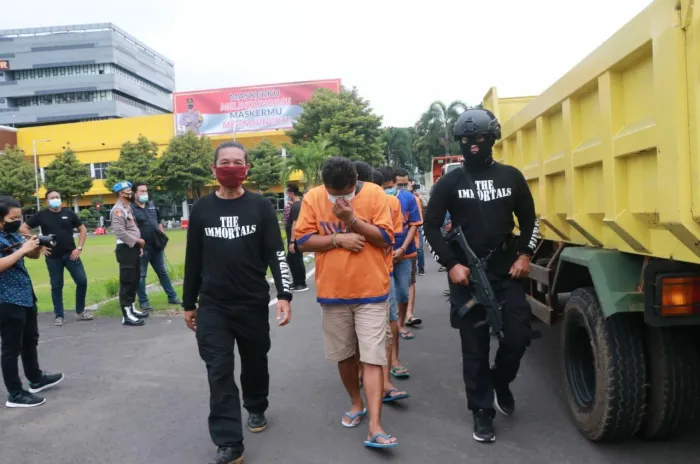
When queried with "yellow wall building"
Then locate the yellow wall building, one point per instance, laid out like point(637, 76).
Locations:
point(97, 144)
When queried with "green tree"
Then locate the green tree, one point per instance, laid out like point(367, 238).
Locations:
point(265, 164)
point(345, 119)
point(398, 149)
point(17, 178)
point(308, 158)
point(137, 162)
point(185, 166)
point(433, 133)
point(67, 175)
point(445, 116)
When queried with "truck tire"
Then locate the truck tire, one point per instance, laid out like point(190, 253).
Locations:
point(673, 367)
point(604, 369)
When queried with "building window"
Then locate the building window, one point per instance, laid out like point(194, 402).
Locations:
point(100, 170)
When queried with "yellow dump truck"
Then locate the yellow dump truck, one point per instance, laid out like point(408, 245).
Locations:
point(611, 152)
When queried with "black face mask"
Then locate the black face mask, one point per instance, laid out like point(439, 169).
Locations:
point(12, 227)
point(479, 160)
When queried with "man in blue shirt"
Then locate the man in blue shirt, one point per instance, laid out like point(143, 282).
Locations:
point(19, 331)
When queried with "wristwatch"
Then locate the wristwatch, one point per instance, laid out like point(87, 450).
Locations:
point(80, 248)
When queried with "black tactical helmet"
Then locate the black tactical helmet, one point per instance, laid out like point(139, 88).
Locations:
point(477, 121)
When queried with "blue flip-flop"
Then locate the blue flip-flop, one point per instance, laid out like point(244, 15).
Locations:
point(372, 443)
point(352, 418)
point(388, 398)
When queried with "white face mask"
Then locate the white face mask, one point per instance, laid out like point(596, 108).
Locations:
point(349, 197)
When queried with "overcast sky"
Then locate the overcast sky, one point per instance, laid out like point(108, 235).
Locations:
point(399, 57)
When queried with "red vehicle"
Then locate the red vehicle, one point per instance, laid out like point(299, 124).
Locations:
point(439, 162)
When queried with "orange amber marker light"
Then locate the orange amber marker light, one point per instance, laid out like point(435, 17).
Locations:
point(680, 296)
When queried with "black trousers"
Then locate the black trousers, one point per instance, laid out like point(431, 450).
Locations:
point(129, 274)
point(479, 379)
point(297, 267)
point(19, 335)
point(218, 330)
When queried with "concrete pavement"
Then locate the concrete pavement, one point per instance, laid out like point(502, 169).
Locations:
point(139, 396)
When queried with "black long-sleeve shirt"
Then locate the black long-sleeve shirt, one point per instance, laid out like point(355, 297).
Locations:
point(230, 244)
point(502, 190)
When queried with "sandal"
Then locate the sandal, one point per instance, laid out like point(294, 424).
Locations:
point(406, 335)
point(352, 418)
point(373, 443)
point(414, 321)
point(399, 372)
point(388, 398)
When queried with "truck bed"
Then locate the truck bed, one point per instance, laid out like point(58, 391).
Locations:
point(611, 150)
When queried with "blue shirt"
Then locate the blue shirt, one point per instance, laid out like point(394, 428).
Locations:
point(15, 284)
point(410, 216)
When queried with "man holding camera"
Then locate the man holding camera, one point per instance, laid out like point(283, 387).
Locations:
point(129, 251)
point(148, 221)
point(61, 222)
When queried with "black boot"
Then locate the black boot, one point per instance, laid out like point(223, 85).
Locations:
point(503, 399)
point(128, 317)
point(256, 422)
point(227, 456)
point(483, 427)
point(140, 314)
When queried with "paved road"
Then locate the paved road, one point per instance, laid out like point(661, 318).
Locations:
point(139, 396)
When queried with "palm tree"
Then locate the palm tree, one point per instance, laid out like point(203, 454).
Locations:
point(398, 146)
point(444, 117)
point(308, 158)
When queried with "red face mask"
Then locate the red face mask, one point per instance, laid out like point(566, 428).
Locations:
point(231, 176)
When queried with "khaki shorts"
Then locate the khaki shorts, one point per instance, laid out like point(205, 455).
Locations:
point(363, 325)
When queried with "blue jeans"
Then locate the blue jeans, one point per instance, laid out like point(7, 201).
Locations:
point(393, 307)
point(56, 266)
point(157, 260)
point(421, 256)
point(402, 279)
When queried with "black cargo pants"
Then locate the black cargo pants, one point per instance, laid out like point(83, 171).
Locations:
point(129, 273)
point(479, 379)
point(218, 330)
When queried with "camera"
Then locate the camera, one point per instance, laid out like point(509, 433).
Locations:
point(47, 240)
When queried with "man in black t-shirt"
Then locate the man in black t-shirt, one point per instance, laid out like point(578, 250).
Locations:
point(147, 218)
point(295, 258)
point(61, 222)
point(233, 238)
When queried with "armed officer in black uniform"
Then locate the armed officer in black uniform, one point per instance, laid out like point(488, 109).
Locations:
point(482, 198)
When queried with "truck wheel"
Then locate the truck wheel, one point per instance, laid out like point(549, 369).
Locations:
point(673, 401)
point(604, 369)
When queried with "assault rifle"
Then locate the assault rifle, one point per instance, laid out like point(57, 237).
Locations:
point(482, 292)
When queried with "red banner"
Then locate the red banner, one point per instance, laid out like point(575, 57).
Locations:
point(244, 109)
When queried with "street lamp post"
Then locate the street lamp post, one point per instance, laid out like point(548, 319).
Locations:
point(36, 172)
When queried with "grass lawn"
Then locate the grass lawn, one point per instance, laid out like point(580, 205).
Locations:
point(103, 272)
point(157, 299)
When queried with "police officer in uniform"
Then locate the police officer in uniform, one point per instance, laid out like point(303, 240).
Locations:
point(191, 120)
point(482, 198)
point(129, 250)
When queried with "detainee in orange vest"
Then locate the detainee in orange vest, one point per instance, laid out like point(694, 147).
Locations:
point(391, 393)
point(348, 225)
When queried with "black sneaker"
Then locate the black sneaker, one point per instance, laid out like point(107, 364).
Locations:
point(45, 382)
point(483, 427)
point(227, 456)
point(421, 272)
point(300, 288)
point(146, 307)
point(175, 302)
point(256, 422)
point(24, 399)
point(503, 400)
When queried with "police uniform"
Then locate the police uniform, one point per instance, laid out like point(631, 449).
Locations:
point(128, 254)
